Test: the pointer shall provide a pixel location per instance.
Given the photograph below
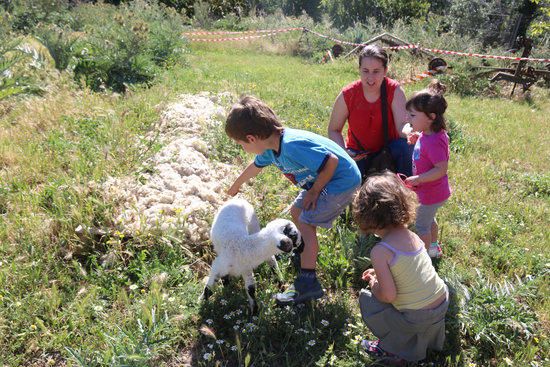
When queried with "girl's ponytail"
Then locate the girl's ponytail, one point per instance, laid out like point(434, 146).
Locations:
point(431, 100)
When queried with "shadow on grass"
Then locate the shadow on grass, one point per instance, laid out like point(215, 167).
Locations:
point(303, 335)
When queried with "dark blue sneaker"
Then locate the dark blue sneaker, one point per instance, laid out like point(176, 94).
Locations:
point(301, 291)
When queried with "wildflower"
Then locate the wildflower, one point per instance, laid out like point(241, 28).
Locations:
point(227, 316)
point(209, 321)
point(207, 356)
point(235, 327)
point(133, 287)
point(311, 343)
point(346, 332)
point(33, 327)
point(220, 341)
point(234, 348)
point(171, 299)
point(325, 322)
point(98, 308)
point(210, 346)
point(223, 302)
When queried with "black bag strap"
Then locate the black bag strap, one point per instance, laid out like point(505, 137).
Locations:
point(384, 100)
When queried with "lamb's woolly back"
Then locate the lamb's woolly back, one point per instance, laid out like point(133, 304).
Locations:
point(234, 221)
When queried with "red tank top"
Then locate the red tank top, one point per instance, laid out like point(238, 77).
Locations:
point(365, 118)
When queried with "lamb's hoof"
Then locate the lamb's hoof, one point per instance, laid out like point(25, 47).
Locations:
point(205, 294)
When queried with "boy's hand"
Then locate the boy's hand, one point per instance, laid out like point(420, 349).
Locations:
point(310, 199)
point(234, 189)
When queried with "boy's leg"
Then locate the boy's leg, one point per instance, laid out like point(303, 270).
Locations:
point(306, 286)
point(308, 258)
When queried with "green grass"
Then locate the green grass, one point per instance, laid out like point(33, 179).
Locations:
point(133, 301)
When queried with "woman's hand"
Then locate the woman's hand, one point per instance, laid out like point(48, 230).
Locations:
point(412, 138)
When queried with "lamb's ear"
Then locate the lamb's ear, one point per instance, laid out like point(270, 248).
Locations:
point(300, 248)
point(287, 230)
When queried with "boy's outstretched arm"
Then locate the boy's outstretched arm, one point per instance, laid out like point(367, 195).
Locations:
point(325, 175)
point(249, 172)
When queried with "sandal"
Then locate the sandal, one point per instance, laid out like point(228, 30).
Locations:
point(372, 348)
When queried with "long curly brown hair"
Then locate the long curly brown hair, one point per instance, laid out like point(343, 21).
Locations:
point(384, 201)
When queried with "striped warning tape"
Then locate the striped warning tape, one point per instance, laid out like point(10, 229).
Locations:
point(281, 30)
point(231, 38)
point(271, 32)
point(471, 54)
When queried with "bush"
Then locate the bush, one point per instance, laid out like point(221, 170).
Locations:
point(125, 45)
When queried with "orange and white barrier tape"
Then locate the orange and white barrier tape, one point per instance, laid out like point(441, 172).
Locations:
point(271, 32)
point(281, 30)
point(231, 38)
point(471, 54)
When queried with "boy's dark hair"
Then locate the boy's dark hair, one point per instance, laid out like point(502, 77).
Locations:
point(431, 100)
point(383, 201)
point(251, 116)
point(376, 52)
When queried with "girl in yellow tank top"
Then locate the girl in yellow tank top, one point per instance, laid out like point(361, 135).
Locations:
point(407, 301)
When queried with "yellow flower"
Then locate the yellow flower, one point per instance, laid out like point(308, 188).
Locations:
point(33, 327)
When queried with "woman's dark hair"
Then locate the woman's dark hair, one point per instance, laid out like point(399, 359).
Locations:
point(431, 100)
point(374, 51)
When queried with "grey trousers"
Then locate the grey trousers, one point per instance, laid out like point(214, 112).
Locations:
point(406, 333)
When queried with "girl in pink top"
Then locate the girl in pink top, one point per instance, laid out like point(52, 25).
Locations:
point(430, 160)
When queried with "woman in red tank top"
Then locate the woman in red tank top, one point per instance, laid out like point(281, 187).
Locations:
point(359, 104)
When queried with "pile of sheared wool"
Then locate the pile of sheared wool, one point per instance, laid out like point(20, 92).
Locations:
point(184, 186)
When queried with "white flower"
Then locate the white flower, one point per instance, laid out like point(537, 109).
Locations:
point(234, 348)
point(171, 299)
point(220, 341)
point(227, 317)
point(236, 327)
point(325, 322)
point(311, 343)
point(133, 287)
point(98, 308)
point(223, 302)
point(210, 345)
point(207, 356)
point(209, 321)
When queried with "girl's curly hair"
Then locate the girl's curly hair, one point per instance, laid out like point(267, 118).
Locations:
point(383, 201)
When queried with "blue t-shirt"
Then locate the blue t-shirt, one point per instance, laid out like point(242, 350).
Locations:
point(302, 155)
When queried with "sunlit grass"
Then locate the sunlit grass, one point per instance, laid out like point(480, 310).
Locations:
point(60, 300)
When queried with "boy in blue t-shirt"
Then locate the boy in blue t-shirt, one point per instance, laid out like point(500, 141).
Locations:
point(327, 174)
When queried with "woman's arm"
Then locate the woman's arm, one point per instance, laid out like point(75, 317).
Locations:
point(400, 114)
point(382, 284)
point(338, 119)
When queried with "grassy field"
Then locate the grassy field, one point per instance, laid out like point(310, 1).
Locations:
point(59, 305)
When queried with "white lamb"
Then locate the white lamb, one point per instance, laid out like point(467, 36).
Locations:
point(241, 246)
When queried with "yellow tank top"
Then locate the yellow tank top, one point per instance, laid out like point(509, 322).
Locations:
point(415, 278)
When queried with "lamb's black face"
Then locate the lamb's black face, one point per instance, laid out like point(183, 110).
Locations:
point(289, 237)
point(293, 234)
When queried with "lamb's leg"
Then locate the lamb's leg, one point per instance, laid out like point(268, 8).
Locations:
point(212, 279)
point(275, 267)
point(225, 280)
point(250, 285)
